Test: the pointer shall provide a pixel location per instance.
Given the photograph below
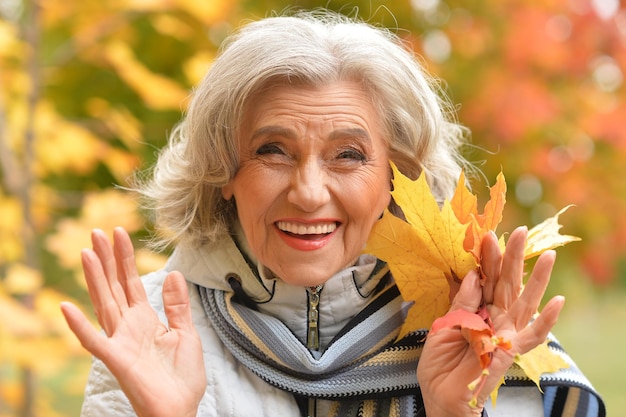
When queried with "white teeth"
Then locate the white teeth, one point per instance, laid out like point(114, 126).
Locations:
point(307, 229)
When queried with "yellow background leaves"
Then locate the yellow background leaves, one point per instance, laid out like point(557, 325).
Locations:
point(94, 123)
point(157, 91)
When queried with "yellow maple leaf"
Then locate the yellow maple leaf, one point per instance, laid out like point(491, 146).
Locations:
point(396, 245)
point(464, 203)
point(432, 248)
point(438, 230)
point(428, 245)
point(538, 361)
point(545, 236)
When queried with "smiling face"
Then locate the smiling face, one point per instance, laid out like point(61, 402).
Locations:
point(313, 179)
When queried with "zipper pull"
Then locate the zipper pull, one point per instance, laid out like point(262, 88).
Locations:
point(313, 334)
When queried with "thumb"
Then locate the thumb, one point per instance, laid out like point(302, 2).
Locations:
point(176, 302)
point(470, 294)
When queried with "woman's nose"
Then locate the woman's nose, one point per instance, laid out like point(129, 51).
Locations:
point(309, 186)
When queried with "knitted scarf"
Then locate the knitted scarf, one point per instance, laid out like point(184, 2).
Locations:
point(365, 371)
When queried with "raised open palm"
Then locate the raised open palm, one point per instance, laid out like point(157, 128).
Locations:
point(159, 367)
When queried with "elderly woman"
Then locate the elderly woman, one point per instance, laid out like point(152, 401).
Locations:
point(269, 189)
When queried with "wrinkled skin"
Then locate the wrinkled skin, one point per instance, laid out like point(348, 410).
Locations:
point(156, 366)
point(309, 158)
point(448, 364)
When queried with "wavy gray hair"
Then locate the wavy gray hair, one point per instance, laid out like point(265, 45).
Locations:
point(312, 48)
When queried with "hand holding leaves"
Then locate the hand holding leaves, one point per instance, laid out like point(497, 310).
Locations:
point(474, 344)
point(160, 369)
point(431, 252)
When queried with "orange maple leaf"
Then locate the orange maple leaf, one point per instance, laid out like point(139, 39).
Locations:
point(466, 210)
point(478, 333)
point(432, 248)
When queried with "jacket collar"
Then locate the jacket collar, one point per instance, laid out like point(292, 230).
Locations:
point(341, 298)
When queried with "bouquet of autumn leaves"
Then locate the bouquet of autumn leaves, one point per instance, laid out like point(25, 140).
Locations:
point(434, 247)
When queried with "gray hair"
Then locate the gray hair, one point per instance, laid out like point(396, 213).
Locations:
point(312, 48)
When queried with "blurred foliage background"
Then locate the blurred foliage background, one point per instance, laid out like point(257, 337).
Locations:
point(90, 89)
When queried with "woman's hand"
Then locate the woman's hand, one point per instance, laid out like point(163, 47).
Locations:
point(448, 363)
point(160, 369)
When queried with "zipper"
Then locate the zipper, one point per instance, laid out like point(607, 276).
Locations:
point(313, 332)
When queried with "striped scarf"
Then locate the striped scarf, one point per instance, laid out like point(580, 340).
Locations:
point(364, 371)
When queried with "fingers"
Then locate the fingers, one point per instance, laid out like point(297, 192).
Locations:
point(105, 305)
point(126, 267)
point(89, 337)
point(527, 304)
point(509, 284)
point(112, 278)
point(537, 332)
point(469, 296)
point(490, 264)
point(176, 302)
point(103, 249)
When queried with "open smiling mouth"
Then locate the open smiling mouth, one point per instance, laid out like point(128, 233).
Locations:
point(307, 231)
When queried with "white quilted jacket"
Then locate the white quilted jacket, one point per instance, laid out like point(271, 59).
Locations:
point(232, 390)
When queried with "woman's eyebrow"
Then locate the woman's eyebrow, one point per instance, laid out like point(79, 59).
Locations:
point(273, 130)
point(353, 132)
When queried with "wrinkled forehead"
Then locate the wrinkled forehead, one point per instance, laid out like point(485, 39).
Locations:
point(268, 87)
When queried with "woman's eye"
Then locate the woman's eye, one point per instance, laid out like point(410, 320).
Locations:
point(351, 154)
point(270, 149)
